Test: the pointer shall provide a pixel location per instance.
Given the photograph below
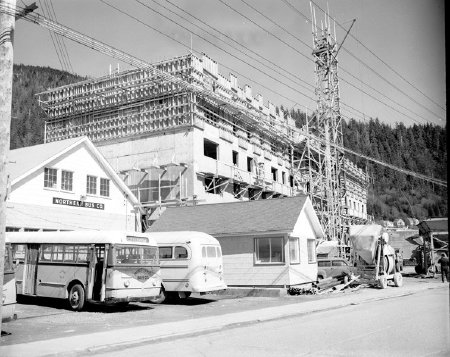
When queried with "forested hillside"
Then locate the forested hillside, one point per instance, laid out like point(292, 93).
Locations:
point(420, 148)
point(27, 123)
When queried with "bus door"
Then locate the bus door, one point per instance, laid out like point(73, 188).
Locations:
point(91, 273)
point(98, 291)
point(30, 274)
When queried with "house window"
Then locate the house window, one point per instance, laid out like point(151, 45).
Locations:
point(50, 177)
point(104, 187)
point(91, 185)
point(269, 250)
point(66, 180)
point(210, 149)
point(311, 250)
point(291, 180)
point(249, 164)
point(274, 172)
point(235, 158)
point(283, 178)
point(294, 251)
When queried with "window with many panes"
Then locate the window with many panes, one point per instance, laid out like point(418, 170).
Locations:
point(91, 185)
point(311, 251)
point(104, 187)
point(66, 180)
point(269, 250)
point(50, 177)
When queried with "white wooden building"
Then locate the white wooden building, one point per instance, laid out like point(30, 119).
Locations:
point(265, 243)
point(67, 185)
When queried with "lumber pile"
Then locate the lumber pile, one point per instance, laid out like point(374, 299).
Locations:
point(334, 285)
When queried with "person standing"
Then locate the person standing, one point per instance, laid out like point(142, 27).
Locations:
point(444, 266)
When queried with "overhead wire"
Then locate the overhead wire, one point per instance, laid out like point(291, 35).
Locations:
point(135, 62)
point(341, 67)
point(370, 68)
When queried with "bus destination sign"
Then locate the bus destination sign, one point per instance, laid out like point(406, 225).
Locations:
point(76, 203)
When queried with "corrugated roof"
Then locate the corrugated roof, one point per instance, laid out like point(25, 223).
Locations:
point(27, 158)
point(233, 217)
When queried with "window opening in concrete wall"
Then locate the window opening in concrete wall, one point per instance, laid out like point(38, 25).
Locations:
point(291, 180)
point(235, 158)
point(283, 178)
point(249, 164)
point(237, 190)
point(66, 180)
point(294, 251)
point(50, 177)
point(269, 250)
point(274, 172)
point(210, 149)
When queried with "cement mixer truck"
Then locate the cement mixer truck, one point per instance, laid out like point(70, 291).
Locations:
point(375, 260)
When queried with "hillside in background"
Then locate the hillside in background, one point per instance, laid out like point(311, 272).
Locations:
point(420, 148)
point(27, 122)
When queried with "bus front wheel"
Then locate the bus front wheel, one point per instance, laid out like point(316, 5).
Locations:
point(76, 297)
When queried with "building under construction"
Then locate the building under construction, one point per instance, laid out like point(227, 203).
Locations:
point(179, 132)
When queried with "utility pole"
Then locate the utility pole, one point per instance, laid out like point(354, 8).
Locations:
point(7, 22)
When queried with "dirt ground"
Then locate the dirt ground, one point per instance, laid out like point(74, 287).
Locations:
point(40, 319)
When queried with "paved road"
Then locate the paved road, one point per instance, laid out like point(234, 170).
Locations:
point(412, 325)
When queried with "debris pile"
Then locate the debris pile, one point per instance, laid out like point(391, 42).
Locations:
point(337, 284)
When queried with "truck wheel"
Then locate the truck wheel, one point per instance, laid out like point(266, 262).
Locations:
point(77, 297)
point(398, 279)
point(383, 282)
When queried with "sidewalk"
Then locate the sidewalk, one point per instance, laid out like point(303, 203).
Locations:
point(104, 341)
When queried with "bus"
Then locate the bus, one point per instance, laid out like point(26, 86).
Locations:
point(191, 262)
point(9, 286)
point(86, 266)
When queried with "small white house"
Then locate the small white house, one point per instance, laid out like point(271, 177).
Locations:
point(67, 185)
point(265, 243)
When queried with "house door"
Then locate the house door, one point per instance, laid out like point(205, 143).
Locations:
point(31, 261)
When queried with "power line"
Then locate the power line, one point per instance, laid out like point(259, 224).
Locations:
point(382, 61)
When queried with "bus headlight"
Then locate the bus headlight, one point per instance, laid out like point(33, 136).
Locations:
point(126, 283)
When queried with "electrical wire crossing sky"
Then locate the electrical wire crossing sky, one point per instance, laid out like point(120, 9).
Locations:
point(391, 65)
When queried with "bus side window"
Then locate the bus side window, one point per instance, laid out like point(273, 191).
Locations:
point(58, 253)
point(69, 253)
point(165, 252)
point(211, 252)
point(180, 253)
point(82, 256)
point(46, 254)
point(18, 252)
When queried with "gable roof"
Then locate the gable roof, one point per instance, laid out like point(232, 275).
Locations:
point(24, 161)
point(244, 217)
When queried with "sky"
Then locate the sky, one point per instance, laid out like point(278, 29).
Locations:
point(391, 64)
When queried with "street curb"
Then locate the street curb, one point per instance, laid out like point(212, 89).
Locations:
point(102, 342)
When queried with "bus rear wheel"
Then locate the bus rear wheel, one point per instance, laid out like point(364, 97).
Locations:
point(76, 297)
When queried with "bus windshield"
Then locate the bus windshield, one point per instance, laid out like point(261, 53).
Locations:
point(135, 255)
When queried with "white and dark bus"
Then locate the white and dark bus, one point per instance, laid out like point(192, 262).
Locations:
point(191, 262)
point(86, 266)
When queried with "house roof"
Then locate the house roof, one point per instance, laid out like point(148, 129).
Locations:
point(24, 161)
point(244, 217)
